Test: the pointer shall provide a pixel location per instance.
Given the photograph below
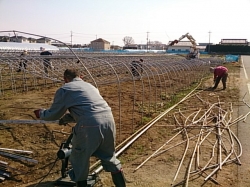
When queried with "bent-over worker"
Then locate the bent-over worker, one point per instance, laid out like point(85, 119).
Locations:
point(220, 73)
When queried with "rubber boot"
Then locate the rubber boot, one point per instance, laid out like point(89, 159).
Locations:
point(82, 183)
point(216, 82)
point(118, 179)
point(224, 85)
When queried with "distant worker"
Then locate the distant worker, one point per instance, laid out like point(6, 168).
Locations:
point(136, 68)
point(198, 54)
point(46, 62)
point(220, 73)
point(191, 55)
point(23, 62)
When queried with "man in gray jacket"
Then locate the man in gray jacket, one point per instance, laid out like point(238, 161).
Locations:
point(94, 132)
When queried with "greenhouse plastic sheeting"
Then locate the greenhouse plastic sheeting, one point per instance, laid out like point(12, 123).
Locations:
point(231, 58)
point(26, 46)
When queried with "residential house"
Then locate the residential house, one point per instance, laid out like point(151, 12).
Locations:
point(43, 40)
point(202, 47)
point(115, 47)
point(131, 46)
point(4, 38)
point(19, 39)
point(99, 45)
point(32, 40)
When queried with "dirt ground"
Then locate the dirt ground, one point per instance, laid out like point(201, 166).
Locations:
point(44, 140)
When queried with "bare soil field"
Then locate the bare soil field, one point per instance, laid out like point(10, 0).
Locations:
point(159, 171)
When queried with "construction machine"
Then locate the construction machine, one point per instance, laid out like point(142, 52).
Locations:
point(193, 53)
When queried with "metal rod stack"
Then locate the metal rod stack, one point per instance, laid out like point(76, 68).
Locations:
point(17, 154)
point(4, 173)
point(5, 169)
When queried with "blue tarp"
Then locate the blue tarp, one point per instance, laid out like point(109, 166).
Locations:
point(231, 58)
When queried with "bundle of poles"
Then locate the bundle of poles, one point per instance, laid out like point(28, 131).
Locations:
point(209, 140)
point(16, 154)
point(4, 173)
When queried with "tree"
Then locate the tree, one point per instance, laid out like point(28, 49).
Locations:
point(128, 40)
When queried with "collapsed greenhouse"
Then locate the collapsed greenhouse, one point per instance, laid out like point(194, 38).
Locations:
point(161, 78)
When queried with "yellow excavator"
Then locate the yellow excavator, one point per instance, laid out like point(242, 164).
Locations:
point(193, 53)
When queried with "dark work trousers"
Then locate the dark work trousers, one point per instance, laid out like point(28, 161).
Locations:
point(93, 136)
point(136, 67)
point(223, 79)
point(22, 65)
point(135, 72)
point(47, 64)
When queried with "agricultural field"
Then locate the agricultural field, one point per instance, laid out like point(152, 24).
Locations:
point(152, 99)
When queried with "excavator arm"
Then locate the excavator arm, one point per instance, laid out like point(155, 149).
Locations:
point(192, 40)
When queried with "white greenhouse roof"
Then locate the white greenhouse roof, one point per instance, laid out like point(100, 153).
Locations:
point(233, 41)
point(26, 46)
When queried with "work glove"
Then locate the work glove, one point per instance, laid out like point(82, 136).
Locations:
point(37, 113)
point(67, 118)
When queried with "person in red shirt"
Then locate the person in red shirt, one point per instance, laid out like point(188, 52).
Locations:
point(220, 73)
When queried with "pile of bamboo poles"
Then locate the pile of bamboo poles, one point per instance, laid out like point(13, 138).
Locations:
point(209, 138)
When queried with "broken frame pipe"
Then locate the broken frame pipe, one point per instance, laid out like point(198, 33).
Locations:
point(21, 121)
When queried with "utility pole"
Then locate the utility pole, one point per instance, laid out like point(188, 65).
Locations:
point(71, 35)
point(147, 41)
point(209, 42)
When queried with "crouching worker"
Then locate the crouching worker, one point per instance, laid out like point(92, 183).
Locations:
point(94, 132)
point(220, 73)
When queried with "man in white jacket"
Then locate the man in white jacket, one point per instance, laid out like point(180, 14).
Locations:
point(94, 132)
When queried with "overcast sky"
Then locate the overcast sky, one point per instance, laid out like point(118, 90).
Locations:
point(112, 20)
